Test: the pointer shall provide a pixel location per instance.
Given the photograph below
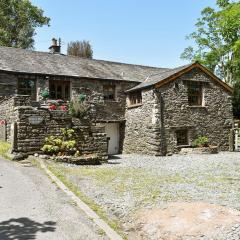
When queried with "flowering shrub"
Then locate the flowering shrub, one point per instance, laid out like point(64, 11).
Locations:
point(65, 144)
point(52, 107)
point(64, 108)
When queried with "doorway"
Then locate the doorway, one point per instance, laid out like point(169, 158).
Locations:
point(112, 131)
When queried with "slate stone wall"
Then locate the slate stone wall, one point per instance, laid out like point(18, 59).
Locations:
point(103, 111)
point(7, 108)
point(141, 135)
point(8, 85)
point(166, 110)
point(29, 138)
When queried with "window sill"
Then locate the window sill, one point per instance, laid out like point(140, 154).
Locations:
point(134, 106)
point(184, 146)
point(196, 106)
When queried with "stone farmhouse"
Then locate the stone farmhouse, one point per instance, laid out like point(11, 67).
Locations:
point(142, 109)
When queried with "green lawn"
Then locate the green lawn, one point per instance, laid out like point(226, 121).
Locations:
point(4, 149)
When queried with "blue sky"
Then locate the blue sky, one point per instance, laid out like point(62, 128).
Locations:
point(147, 32)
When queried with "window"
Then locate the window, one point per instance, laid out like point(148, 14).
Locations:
point(182, 137)
point(109, 92)
point(27, 87)
point(135, 98)
point(194, 94)
point(59, 89)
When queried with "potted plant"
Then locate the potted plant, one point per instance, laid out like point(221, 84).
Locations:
point(202, 145)
point(45, 94)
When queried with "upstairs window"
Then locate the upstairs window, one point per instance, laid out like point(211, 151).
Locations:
point(182, 137)
point(109, 92)
point(194, 94)
point(27, 87)
point(59, 89)
point(135, 98)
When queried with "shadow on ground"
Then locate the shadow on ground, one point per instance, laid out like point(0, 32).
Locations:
point(112, 159)
point(23, 228)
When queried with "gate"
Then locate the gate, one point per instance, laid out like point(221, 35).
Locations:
point(237, 139)
point(3, 134)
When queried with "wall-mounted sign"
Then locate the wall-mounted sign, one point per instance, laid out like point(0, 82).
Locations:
point(35, 119)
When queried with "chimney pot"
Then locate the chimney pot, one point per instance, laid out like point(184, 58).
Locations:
point(54, 42)
point(55, 48)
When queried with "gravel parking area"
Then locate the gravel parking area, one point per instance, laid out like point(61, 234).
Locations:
point(129, 183)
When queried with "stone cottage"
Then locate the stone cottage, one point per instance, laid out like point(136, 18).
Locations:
point(142, 109)
point(169, 110)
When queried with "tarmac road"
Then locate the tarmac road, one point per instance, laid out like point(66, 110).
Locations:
point(32, 207)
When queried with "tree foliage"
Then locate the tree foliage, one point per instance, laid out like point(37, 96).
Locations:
point(80, 49)
point(217, 40)
point(18, 21)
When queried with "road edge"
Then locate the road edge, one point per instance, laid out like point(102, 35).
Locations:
point(113, 235)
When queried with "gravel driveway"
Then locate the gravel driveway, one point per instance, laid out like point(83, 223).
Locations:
point(132, 182)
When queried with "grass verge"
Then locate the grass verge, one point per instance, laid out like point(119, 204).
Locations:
point(4, 149)
point(115, 225)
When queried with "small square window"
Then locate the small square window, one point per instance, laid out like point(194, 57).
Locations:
point(194, 94)
point(27, 87)
point(59, 89)
point(182, 137)
point(135, 98)
point(109, 92)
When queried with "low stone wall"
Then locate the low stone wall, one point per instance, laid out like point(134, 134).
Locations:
point(27, 128)
point(7, 113)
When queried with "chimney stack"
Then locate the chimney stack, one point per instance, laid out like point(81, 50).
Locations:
point(55, 48)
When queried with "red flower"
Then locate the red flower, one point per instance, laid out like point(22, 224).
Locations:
point(64, 108)
point(52, 107)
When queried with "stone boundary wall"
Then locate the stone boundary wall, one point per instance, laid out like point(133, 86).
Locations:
point(7, 113)
point(27, 127)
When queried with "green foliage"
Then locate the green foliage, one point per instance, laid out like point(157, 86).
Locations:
point(79, 108)
point(82, 97)
point(4, 149)
point(18, 21)
point(45, 94)
point(217, 40)
point(201, 141)
point(63, 144)
point(80, 49)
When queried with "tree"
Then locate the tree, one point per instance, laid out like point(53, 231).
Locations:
point(217, 40)
point(18, 21)
point(80, 49)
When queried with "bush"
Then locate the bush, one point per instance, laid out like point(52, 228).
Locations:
point(64, 144)
point(78, 108)
point(201, 141)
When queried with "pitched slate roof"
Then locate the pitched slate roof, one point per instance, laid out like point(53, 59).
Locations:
point(159, 79)
point(155, 78)
point(26, 61)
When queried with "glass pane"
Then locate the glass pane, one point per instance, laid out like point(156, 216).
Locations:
point(194, 94)
point(182, 137)
point(59, 92)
